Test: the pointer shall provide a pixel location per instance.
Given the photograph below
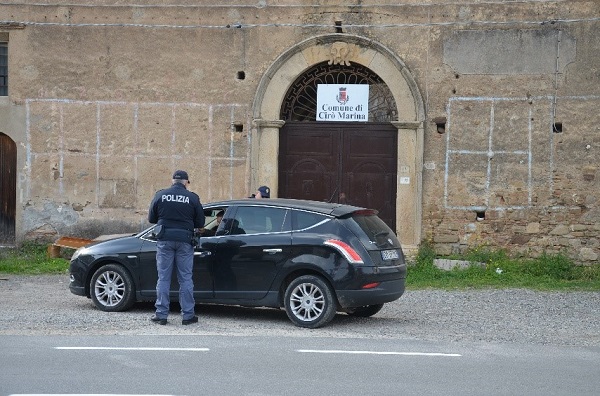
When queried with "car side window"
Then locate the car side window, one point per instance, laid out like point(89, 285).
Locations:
point(276, 219)
point(213, 220)
point(230, 227)
point(257, 220)
point(302, 220)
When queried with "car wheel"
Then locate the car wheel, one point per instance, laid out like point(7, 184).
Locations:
point(364, 312)
point(112, 289)
point(309, 302)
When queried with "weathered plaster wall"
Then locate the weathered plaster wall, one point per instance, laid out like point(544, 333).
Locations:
point(108, 98)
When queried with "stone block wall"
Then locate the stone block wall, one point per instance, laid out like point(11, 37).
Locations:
point(107, 99)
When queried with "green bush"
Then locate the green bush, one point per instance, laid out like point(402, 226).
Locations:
point(547, 272)
point(555, 267)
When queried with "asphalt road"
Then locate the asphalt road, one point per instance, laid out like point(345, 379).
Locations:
point(492, 342)
point(279, 365)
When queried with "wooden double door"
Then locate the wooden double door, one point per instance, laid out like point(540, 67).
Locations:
point(8, 193)
point(340, 162)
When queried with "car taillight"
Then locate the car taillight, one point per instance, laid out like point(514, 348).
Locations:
point(345, 249)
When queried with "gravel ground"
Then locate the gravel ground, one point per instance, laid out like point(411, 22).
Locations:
point(44, 305)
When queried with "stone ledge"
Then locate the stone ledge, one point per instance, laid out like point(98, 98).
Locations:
point(448, 265)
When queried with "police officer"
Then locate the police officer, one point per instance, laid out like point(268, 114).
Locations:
point(262, 192)
point(177, 212)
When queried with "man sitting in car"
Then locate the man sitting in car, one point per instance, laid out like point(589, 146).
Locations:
point(213, 230)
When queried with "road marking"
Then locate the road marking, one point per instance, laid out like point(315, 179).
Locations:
point(379, 353)
point(135, 349)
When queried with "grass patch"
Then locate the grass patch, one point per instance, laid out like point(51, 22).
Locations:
point(32, 259)
point(547, 272)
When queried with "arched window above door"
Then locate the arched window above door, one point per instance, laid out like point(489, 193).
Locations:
point(300, 102)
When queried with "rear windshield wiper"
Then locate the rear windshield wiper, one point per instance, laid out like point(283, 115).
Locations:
point(377, 237)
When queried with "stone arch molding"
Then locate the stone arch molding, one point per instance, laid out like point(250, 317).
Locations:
point(345, 49)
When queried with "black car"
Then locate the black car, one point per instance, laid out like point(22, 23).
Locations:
point(313, 258)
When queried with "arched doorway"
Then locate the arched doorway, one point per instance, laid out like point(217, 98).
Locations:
point(346, 162)
point(8, 186)
point(407, 120)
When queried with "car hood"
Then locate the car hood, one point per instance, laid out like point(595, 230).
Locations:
point(117, 245)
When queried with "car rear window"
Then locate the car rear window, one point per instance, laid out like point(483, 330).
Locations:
point(376, 230)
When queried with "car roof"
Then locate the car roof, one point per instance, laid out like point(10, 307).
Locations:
point(328, 208)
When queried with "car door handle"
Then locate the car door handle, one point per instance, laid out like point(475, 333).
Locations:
point(202, 254)
point(272, 251)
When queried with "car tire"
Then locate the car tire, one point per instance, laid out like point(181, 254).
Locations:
point(112, 288)
point(364, 312)
point(309, 302)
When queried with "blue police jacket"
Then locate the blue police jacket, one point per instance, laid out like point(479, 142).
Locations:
point(178, 210)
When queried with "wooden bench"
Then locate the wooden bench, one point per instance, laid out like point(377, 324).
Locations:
point(76, 243)
point(66, 242)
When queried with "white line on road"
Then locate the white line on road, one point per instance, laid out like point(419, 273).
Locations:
point(330, 351)
point(379, 353)
point(135, 349)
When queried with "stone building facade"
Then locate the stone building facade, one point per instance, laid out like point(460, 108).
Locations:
point(495, 110)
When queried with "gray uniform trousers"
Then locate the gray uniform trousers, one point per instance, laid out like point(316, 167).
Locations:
point(180, 255)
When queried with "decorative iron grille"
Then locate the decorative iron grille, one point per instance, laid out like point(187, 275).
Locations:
point(301, 99)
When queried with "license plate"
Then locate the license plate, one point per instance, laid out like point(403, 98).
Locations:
point(389, 255)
